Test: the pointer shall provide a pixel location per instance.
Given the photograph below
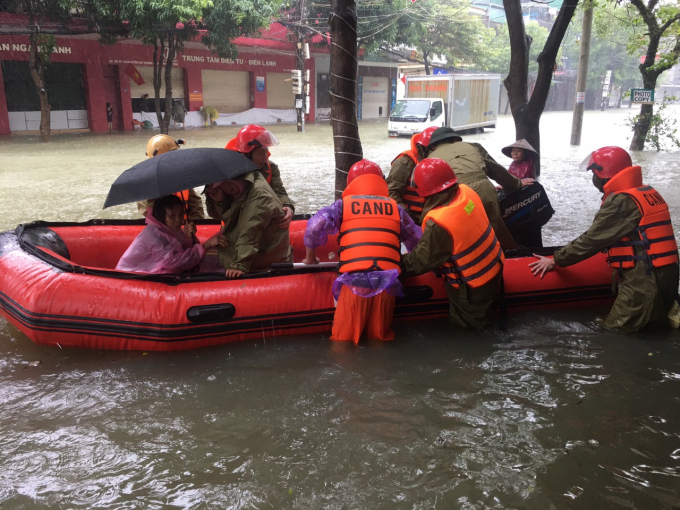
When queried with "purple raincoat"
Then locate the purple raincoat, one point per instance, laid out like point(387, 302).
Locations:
point(363, 283)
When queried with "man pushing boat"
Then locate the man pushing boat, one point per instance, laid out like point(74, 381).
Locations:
point(634, 226)
point(372, 227)
point(458, 242)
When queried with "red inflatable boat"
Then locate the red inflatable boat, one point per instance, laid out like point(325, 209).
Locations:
point(59, 287)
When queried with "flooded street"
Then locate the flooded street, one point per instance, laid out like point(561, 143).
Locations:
point(552, 414)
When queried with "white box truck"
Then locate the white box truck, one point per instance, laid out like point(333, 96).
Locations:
point(464, 102)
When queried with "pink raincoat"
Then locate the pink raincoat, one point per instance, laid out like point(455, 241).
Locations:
point(523, 170)
point(157, 249)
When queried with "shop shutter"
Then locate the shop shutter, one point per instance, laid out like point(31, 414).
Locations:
point(375, 94)
point(226, 91)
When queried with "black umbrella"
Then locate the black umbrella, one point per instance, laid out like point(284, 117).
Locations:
point(176, 171)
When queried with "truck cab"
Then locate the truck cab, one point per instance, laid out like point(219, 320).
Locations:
point(411, 116)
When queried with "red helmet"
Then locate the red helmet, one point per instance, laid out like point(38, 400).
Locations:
point(425, 136)
point(231, 145)
point(364, 167)
point(252, 137)
point(433, 175)
point(607, 161)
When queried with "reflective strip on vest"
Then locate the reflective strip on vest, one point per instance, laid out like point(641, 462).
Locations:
point(369, 234)
point(657, 239)
point(477, 256)
point(413, 202)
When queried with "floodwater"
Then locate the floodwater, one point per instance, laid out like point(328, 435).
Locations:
point(552, 414)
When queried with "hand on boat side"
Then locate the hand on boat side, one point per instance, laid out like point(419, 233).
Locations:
point(310, 257)
point(216, 240)
point(233, 273)
point(542, 265)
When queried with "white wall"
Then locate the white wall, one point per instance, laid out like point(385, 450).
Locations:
point(59, 119)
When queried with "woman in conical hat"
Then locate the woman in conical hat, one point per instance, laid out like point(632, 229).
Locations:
point(522, 154)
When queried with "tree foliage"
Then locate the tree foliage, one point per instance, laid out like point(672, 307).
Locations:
point(441, 29)
point(608, 48)
point(655, 37)
point(663, 129)
point(496, 58)
point(446, 29)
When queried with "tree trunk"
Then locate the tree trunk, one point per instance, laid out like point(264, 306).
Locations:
point(426, 61)
point(527, 111)
point(343, 25)
point(649, 70)
point(165, 126)
point(528, 128)
point(641, 128)
point(644, 121)
point(38, 76)
point(158, 50)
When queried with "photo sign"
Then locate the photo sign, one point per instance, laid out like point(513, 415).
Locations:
point(643, 96)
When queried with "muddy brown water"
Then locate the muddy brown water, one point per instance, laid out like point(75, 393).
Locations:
point(552, 414)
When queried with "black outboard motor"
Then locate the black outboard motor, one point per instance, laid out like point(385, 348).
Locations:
point(525, 212)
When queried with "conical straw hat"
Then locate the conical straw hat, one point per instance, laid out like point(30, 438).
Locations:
point(520, 144)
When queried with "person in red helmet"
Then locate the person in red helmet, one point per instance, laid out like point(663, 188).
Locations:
point(634, 225)
point(399, 180)
point(254, 141)
point(474, 168)
point(371, 227)
point(458, 242)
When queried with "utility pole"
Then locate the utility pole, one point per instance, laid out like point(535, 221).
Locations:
point(301, 92)
point(605, 88)
point(581, 79)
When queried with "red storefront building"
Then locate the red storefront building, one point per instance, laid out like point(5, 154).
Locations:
point(85, 75)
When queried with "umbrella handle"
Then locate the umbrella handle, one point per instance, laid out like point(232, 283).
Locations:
point(185, 204)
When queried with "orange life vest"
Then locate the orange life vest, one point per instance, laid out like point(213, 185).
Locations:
point(477, 256)
point(369, 233)
point(184, 197)
point(657, 238)
point(413, 202)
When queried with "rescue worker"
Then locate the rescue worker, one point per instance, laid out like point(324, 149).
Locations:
point(251, 214)
point(634, 226)
point(458, 242)
point(210, 115)
point(253, 141)
point(193, 205)
point(474, 167)
point(400, 178)
point(371, 227)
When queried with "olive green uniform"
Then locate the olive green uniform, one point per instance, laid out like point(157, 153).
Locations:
point(252, 227)
point(474, 167)
point(194, 204)
point(468, 307)
point(279, 189)
point(397, 180)
point(642, 299)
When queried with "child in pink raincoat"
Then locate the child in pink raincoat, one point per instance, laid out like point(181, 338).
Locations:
point(163, 247)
